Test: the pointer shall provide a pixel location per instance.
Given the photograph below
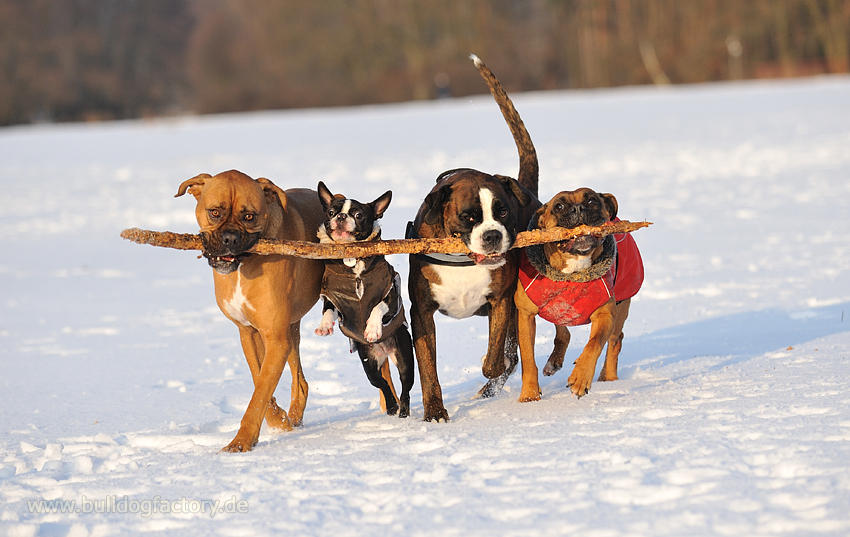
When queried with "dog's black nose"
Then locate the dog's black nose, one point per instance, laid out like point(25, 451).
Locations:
point(492, 238)
point(341, 216)
point(229, 239)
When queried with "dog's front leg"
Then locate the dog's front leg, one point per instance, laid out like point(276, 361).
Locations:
point(602, 325)
point(425, 344)
point(254, 349)
point(527, 330)
point(374, 325)
point(277, 347)
point(502, 312)
point(329, 317)
point(615, 343)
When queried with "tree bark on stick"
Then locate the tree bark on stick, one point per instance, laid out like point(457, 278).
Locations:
point(314, 250)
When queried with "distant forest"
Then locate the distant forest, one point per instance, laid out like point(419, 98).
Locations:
point(81, 60)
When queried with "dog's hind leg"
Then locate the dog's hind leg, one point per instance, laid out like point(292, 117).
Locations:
point(403, 358)
point(556, 359)
point(298, 394)
point(252, 346)
point(502, 317)
point(369, 359)
point(615, 342)
point(387, 376)
point(493, 387)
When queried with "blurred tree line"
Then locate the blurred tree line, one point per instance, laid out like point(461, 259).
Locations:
point(67, 60)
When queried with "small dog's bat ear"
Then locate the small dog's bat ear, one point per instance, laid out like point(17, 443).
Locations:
point(325, 195)
point(194, 185)
point(273, 192)
point(611, 204)
point(434, 205)
point(514, 188)
point(380, 205)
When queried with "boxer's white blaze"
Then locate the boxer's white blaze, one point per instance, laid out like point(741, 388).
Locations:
point(488, 223)
point(462, 290)
point(238, 303)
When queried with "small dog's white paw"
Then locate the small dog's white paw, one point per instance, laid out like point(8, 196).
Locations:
point(373, 331)
point(324, 330)
point(326, 327)
point(374, 326)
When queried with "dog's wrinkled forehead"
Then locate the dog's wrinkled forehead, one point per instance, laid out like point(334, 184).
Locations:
point(573, 207)
point(232, 190)
point(574, 197)
point(343, 205)
point(475, 194)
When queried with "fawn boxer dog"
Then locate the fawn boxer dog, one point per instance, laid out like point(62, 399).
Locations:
point(579, 281)
point(485, 211)
point(264, 295)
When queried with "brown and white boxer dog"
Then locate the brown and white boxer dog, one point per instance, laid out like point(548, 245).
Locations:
point(365, 295)
point(583, 280)
point(264, 295)
point(486, 211)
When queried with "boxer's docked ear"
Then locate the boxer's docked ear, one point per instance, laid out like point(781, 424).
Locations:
point(194, 185)
point(325, 195)
point(274, 194)
point(542, 219)
point(434, 203)
point(610, 204)
point(512, 186)
point(380, 205)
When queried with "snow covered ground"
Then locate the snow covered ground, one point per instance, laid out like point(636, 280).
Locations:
point(121, 380)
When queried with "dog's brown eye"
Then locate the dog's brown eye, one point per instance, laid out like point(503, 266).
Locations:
point(358, 216)
point(331, 213)
point(559, 207)
point(248, 217)
point(215, 213)
point(592, 201)
point(503, 213)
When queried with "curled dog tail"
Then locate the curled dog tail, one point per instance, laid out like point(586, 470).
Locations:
point(528, 167)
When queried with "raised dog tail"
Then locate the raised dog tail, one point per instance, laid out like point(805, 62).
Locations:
point(528, 167)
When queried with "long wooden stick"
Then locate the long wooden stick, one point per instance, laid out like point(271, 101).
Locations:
point(314, 250)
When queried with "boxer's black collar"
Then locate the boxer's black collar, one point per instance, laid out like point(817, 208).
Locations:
point(451, 260)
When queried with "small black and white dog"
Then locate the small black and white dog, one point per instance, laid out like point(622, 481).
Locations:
point(364, 295)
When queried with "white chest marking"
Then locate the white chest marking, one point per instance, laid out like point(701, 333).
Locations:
point(462, 291)
point(238, 304)
point(359, 267)
point(575, 265)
